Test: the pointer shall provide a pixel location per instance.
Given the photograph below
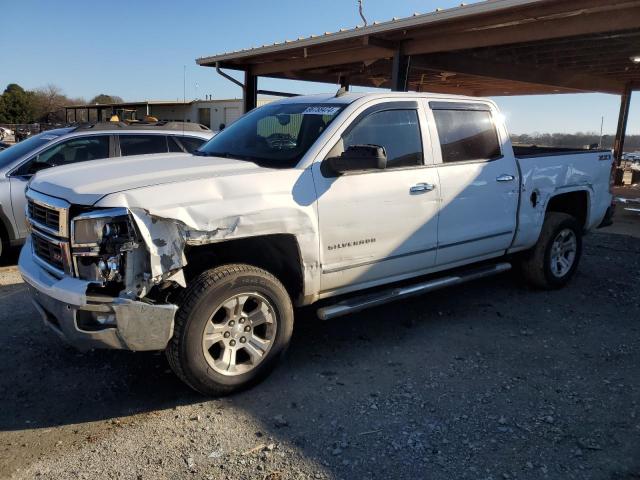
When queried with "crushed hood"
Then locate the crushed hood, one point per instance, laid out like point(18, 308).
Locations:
point(87, 182)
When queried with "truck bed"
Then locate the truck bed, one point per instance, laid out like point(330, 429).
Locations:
point(547, 172)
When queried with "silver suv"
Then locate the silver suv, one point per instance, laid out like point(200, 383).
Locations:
point(64, 146)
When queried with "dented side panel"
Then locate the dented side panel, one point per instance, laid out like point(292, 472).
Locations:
point(172, 216)
point(543, 178)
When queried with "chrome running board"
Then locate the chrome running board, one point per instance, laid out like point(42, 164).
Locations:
point(362, 302)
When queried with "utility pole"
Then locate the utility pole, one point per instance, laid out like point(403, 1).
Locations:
point(184, 96)
point(601, 124)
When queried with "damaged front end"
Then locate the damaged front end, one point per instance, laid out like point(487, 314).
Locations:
point(126, 253)
point(92, 276)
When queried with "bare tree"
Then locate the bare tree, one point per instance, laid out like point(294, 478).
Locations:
point(49, 102)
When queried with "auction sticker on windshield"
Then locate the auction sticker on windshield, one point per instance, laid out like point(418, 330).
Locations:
point(321, 110)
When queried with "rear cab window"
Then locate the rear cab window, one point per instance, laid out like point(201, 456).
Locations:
point(466, 132)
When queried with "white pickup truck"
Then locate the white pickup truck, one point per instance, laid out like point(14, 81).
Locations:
point(344, 201)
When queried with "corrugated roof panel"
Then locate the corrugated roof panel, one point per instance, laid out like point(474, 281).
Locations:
point(376, 28)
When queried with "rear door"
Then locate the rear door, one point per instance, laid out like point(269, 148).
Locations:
point(478, 180)
point(378, 225)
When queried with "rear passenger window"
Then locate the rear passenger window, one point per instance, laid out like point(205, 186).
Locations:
point(191, 144)
point(398, 131)
point(466, 135)
point(142, 144)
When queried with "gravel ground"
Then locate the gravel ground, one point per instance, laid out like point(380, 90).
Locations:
point(487, 381)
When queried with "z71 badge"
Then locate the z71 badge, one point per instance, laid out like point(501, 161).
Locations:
point(355, 243)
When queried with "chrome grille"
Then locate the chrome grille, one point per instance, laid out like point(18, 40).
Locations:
point(45, 216)
point(49, 252)
point(48, 217)
point(48, 214)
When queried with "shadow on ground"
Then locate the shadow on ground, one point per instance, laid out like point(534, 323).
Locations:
point(486, 377)
point(11, 257)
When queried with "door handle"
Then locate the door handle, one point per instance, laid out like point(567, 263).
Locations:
point(422, 187)
point(505, 178)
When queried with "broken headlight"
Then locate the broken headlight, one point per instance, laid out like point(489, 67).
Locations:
point(99, 242)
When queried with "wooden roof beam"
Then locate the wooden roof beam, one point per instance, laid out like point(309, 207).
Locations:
point(370, 40)
point(363, 54)
point(553, 77)
point(553, 28)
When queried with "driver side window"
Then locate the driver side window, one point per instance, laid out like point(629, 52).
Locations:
point(71, 151)
point(398, 131)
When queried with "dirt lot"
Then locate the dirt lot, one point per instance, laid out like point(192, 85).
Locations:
point(487, 381)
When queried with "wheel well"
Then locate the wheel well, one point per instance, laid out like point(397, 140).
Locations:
point(277, 254)
point(575, 204)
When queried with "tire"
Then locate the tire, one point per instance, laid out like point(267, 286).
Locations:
point(216, 310)
point(539, 267)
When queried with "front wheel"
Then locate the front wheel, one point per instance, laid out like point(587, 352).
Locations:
point(551, 263)
point(234, 324)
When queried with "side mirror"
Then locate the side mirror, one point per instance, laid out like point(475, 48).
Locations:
point(358, 158)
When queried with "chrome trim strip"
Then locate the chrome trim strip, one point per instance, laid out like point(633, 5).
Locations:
point(66, 252)
point(477, 239)
point(61, 206)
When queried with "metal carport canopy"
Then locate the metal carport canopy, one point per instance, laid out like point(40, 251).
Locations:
point(491, 48)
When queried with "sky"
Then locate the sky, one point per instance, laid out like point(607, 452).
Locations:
point(144, 50)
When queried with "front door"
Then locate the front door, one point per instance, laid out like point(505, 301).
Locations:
point(479, 184)
point(378, 225)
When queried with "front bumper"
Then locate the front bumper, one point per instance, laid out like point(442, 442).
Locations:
point(116, 323)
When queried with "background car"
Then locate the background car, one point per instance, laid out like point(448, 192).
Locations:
point(4, 145)
point(69, 145)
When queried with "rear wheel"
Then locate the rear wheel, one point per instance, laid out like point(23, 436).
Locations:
point(234, 324)
point(554, 259)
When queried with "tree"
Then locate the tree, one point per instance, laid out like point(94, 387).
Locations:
point(17, 105)
point(104, 98)
point(574, 140)
point(49, 104)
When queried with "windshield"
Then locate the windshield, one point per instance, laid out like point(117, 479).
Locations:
point(16, 151)
point(275, 135)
